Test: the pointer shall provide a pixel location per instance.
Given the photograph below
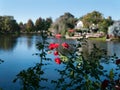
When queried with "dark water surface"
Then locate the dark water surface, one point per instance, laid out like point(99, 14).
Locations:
point(17, 53)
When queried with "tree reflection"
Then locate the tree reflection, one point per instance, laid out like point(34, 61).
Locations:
point(7, 43)
point(31, 78)
point(29, 41)
point(1, 61)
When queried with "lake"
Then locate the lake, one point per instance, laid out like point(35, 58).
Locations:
point(18, 54)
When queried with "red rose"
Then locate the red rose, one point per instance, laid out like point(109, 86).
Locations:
point(53, 46)
point(58, 36)
point(65, 45)
point(118, 61)
point(57, 60)
point(56, 53)
point(56, 45)
point(104, 84)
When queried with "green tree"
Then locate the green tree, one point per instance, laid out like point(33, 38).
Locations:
point(48, 23)
point(14, 27)
point(22, 27)
point(104, 24)
point(8, 24)
point(38, 24)
point(1, 24)
point(30, 26)
point(63, 23)
point(43, 24)
point(98, 20)
point(92, 18)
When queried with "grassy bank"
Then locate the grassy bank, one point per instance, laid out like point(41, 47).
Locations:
point(99, 39)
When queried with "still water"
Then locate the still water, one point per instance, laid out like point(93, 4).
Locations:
point(17, 52)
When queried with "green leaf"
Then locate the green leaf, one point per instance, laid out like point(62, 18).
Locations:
point(100, 67)
point(111, 74)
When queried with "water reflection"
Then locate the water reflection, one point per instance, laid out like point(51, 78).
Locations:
point(32, 77)
point(78, 73)
point(113, 47)
point(45, 74)
point(7, 43)
point(28, 40)
point(1, 61)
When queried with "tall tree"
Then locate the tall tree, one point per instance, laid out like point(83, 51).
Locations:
point(8, 24)
point(98, 20)
point(1, 24)
point(92, 18)
point(38, 24)
point(63, 23)
point(104, 24)
point(48, 23)
point(22, 27)
point(30, 26)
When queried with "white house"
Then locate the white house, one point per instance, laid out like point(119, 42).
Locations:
point(79, 25)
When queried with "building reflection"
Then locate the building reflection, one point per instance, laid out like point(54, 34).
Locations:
point(113, 47)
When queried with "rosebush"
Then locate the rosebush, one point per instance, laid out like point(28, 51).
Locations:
point(83, 73)
point(79, 72)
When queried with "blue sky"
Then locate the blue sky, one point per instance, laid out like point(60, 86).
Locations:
point(22, 10)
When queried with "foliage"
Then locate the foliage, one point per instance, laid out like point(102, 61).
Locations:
point(79, 72)
point(42, 24)
point(8, 25)
point(30, 78)
point(97, 18)
point(22, 27)
point(91, 18)
point(48, 23)
point(63, 23)
point(30, 26)
point(104, 24)
point(39, 24)
point(70, 34)
point(85, 73)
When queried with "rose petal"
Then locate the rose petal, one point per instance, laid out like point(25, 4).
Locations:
point(65, 45)
point(57, 60)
